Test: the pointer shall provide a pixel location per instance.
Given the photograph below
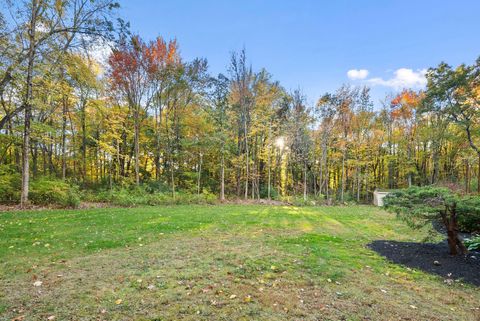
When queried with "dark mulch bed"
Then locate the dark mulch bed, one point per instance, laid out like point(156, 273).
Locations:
point(431, 258)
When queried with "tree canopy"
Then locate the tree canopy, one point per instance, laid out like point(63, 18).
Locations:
point(146, 114)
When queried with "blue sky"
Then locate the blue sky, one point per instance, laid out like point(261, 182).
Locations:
point(312, 45)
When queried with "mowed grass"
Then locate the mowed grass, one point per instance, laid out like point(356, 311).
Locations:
point(231, 262)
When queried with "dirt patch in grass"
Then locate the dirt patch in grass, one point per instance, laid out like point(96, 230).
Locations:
point(31, 207)
point(432, 258)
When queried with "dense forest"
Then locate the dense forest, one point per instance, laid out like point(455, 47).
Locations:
point(144, 116)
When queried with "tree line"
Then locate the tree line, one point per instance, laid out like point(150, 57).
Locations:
point(145, 114)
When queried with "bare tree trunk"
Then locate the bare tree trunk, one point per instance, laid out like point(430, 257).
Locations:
point(35, 160)
point(366, 184)
point(158, 125)
point(254, 168)
point(172, 176)
point(110, 174)
point(64, 138)
point(83, 120)
point(222, 174)
point(28, 106)
point(246, 158)
point(359, 185)
point(304, 180)
point(436, 166)
point(327, 185)
point(343, 177)
point(74, 145)
point(451, 223)
point(137, 145)
point(199, 174)
point(270, 174)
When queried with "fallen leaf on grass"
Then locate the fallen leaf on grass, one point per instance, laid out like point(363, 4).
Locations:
point(37, 283)
point(233, 296)
point(119, 301)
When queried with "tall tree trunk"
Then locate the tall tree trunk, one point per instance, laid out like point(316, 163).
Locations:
point(172, 177)
point(305, 180)
point(246, 158)
point(28, 106)
point(64, 138)
point(110, 173)
point(359, 184)
point(320, 178)
point(451, 223)
point(436, 165)
point(269, 193)
point(222, 176)
point(199, 174)
point(137, 144)
point(158, 126)
point(35, 160)
point(343, 176)
point(74, 145)
point(83, 120)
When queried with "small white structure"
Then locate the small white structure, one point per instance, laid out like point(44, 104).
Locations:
point(378, 197)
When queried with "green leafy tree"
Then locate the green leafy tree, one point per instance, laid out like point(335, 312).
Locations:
point(419, 206)
point(455, 94)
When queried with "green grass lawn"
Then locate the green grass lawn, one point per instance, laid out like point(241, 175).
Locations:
point(227, 262)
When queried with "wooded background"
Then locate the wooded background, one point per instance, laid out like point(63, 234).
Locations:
point(147, 115)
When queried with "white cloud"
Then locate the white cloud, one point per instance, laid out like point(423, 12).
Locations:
point(357, 74)
point(403, 78)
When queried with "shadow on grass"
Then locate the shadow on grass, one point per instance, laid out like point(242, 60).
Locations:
point(431, 258)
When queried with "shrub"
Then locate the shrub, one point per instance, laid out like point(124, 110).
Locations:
point(473, 244)
point(469, 214)
point(156, 187)
point(48, 191)
point(10, 184)
point(273, 192)
point(420, 206)
point(146, 195)
point(469, 223)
